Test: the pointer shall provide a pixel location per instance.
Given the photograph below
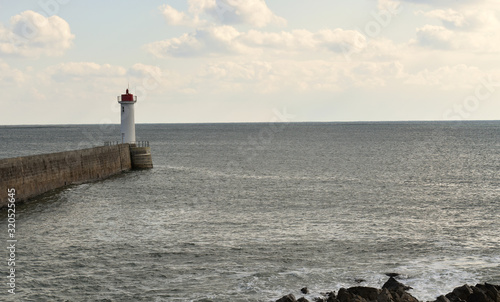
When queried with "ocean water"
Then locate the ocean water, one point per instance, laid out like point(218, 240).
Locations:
point(250, 212)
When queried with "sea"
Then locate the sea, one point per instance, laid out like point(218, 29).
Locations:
point(254, 211)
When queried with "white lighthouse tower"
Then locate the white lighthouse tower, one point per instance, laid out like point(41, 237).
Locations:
point(127, 102)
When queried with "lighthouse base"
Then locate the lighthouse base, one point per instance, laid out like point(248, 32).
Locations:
point(141, 157)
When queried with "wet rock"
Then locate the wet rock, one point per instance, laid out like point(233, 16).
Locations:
point(395, 286)
point(478, 296)
point(459, 294)
point(287, 298)
point(406, 297)
point(392, 274)
point(331, 297)
point(492, 291)
point(442, 299)
point(304, 290)
point(385, 296)
point(345, 296)
point(394, 291)
point(367, 293)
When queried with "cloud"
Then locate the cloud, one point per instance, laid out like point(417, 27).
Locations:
point(389, 5)
point(297, 76)
point(447, 77)
point(204, 41)
point(252, 12)
point(78, 70)
point(476, 18)
point(437, 37)
point(336, 40)
point(225, 12)
point(442, 38)
point(9, 75)
point(33, 35)
point(174, 17)
point(227, 40)
point(445, 3)
point(140, 70)
point(467, 26)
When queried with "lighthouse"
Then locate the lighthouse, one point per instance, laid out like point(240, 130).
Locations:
point(127, 102)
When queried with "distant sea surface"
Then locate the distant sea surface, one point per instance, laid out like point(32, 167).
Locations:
point(250, 212)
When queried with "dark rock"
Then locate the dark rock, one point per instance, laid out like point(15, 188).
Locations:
point(478, 296)
point(392, 274)
point(394, 286)
point(385, 296)
point(345, 296)
point(490, 290)
point(460, 294)
point(304, 290)
point(368, 293)
point(406, 297)
point(331, 297)
point(287, 298)
point(442, 299)
point(394, 291)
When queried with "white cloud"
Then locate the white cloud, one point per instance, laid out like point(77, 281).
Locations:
point(297, 76)
point(140, 70)
point(175, 17)
point(438, 37)
point(389, 5)
point(476, 18)
point(252, 12)
point(455, 77)
point(227, 40)
point(336, 40)
point(33, 35)
point(86, 70)
point(9, 75)
point(465, 26)
point(226, 12)
point(204, 41)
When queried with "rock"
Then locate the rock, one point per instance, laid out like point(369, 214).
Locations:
point(331, 297)
point(359, 280)
point(304, 290)
point(479, 296)
point(345, 296)
point(406, 297)
point(394, 291)
point(459, 294)
point(442, 299)
point(490, 290)
point(367, 293)
point(394, 286)
point(287, 298)
point(391, 274)
point(385, 296)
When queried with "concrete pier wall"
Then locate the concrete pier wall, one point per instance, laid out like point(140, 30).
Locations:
point(33, 175)
point(141, 157)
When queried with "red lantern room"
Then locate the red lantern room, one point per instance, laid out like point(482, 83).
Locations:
point(128, 97)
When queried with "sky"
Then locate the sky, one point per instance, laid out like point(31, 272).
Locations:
point(198, 61)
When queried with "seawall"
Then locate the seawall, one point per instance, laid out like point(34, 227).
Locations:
point(141, 157)
point(33, 175)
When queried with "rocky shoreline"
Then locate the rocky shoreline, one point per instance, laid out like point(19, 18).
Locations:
point(395, 291)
